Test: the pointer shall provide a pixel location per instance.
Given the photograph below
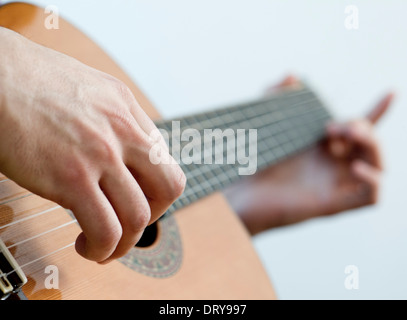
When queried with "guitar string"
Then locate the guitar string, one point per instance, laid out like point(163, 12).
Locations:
point(291, 145)
point(190, 174)
point(245, 119)
point(202, 171)
point(51, 209)
point(55, 251)
point(37, 236)
point(25, 219)
point(46, 255)
point(235, 122)
point(209, 185)
point(257, 117)
point(30, 217)
point(199, 170)
point(16, 198)
point(229, 111)
point(42, 233)
point(35, 260)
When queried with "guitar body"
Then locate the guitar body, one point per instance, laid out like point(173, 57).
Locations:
point(212, 256)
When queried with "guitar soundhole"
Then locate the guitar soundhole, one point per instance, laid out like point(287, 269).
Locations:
point(149, 236)
point(159, 252)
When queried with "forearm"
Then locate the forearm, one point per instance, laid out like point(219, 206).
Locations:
point(9, 43)
point(14, 83)
point(11, 75)
point(4, 40)
point(247, 199)
point(78, 137)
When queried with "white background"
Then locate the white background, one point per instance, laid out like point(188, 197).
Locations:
point(191, 55)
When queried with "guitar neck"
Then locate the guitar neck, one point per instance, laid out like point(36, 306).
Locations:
point(217, 148)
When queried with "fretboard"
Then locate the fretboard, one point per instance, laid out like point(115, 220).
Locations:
point(285, 124)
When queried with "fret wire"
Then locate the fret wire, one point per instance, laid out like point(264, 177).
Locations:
point(275, 135)
point(228, 173)
point(276, 138)
point(203, 191)
point(310, 137)
point(267, 109)
point(237, 125)
point(237, 107)
point(261, 146)
point(209, 121)
point(220, 123)
point(261, 163)
point(240, 126)
point(260, 124)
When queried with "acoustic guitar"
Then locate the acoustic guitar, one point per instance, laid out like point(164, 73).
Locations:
point(198, 250)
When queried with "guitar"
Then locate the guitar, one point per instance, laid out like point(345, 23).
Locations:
point(184, 255)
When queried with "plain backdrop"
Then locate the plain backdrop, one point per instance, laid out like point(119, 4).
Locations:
point(188, 56)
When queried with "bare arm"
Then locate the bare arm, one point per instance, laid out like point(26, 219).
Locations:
point(341, 173)
point(77, 136)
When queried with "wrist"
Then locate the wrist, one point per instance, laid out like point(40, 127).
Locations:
point(13, 70)
point(7, 50)
point(8, 53)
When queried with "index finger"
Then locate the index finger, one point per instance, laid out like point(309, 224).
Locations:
point(374, 115)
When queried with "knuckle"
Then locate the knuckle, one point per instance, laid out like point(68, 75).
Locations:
point(354, 128)
point(74, 171)
point(108, 240)
point(124, 125)
point(360, 126)
point(96, 144)
point(177, 185)
point(124, 91)
point(141, 220)
point(180, 183)
point(60, 198)
point(104, 150)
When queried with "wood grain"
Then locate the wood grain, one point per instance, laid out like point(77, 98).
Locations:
point(219, 260)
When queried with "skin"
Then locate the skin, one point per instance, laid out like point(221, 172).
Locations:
point(78, 137)
point(340, 173)
point(85, 145)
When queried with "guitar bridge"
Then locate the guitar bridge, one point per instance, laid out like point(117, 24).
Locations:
point(12, 278)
